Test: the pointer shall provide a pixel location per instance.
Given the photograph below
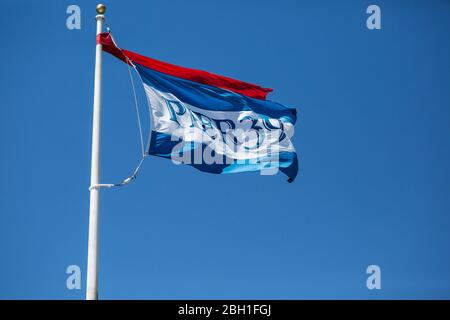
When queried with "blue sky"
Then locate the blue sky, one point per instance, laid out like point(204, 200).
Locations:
point(373, 138)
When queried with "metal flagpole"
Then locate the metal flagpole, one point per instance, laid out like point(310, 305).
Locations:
point(94, 210)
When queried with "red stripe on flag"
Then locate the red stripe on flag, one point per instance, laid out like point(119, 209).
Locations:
point(244, 88)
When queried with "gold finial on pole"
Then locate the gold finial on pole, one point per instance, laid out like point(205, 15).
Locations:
point(101, 8)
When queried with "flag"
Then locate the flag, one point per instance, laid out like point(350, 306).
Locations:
point(211, 122)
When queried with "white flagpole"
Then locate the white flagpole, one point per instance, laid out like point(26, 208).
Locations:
point(92, 267)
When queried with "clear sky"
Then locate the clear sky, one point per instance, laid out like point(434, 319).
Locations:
point(373, 138)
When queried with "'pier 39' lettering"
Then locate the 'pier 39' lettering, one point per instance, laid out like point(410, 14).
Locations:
point(256, 129)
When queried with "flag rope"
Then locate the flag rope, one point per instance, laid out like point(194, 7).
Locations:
point(143, 153)
point(125, 181)
point(137, 110)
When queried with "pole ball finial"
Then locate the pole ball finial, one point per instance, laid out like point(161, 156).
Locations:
point(101, 8)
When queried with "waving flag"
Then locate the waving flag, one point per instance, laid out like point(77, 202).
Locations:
point(211, 122)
